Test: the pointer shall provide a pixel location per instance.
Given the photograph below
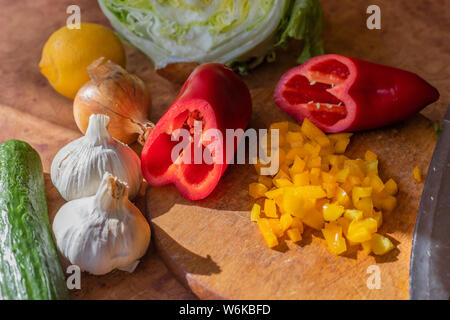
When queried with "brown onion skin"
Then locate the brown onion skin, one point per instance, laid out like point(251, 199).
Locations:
point(122, 96)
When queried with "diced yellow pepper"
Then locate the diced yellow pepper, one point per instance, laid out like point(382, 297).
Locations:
point(280, 204)
point(372, 167)
point(380, 244)
point(313, 218)
point(332, 212)
point(353, 214)
point(282, 126)
point(330, 188)
point(315, 176)
point(297, 167)
point(391, 187)
point(256, 211)
point(341, 145)
point(417, 175)
point(328, 178)
point(281, 175)
point(294, 127)
point(293, 202)
point(314, 133)
point(270, 208)
point(344, 223)
point(282, 183)
point(333, 236)
point(365, 205)
point(295, 152)
point(342, 198)
point(366, 246)
point(378, 197)
point(295, 139)
point(342, 175)
point(266, 231)
point(284, 167)
point(301, 179)
point(324, 152)
point(276, 227)
point(357, 167)
point(273, 193)
point(354, 180)
point(317, 189)
point(370, 156)
point(312, 150)
point(286, 221)
point(368, 223)
point(320, 203)
point(294, 234)
point(312, 192)
point(366, 182)
point(297, 223)
point(337, 161)
point(378, 216)
point(389, 203)
point(257, 190)
point(315, 162)
point(360, 192)
point(265, 180)
point(361, 230)
point(376, 183)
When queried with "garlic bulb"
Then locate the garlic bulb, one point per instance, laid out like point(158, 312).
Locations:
point(103, 232)
point(78, 168)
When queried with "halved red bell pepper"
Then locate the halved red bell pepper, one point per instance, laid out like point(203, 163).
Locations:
point(339, 93)
point(218, 98)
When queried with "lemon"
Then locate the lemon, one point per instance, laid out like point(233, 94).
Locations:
point(68, 52)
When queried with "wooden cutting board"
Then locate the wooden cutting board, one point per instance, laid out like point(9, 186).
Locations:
point(413, 36)
point(214, 248)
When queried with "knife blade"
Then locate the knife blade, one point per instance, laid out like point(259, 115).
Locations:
point(430, 256)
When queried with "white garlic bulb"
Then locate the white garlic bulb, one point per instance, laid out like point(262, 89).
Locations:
point(103, 232)
point(78, 167)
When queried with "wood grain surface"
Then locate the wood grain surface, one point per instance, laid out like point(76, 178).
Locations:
point(414, 36)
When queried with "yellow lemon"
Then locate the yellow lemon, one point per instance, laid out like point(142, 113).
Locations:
point(68, 52)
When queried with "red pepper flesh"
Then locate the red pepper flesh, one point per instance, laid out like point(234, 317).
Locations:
point(214, 95)
point(339, 93)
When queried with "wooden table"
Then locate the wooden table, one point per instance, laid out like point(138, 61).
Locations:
point(414, 36)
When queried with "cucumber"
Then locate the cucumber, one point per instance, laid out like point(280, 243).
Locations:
point(29, 265)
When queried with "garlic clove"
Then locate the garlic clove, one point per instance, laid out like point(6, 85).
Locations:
point(102, 232)
point(78, 167)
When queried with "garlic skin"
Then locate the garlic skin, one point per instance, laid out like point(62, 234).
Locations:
point(78, 167)
point(103, 232)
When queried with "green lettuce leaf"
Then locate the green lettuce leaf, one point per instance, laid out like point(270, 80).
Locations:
point(302, 20)
point(238, 32)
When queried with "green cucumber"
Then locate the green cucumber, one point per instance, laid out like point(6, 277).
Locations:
point(29, 265)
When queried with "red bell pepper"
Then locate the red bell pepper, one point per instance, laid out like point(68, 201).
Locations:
point(339, 93)
point(218, 98)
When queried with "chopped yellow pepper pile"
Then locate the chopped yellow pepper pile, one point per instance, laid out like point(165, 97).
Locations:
point(318, 186)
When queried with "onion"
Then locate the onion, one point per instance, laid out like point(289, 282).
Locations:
point(120, 95)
